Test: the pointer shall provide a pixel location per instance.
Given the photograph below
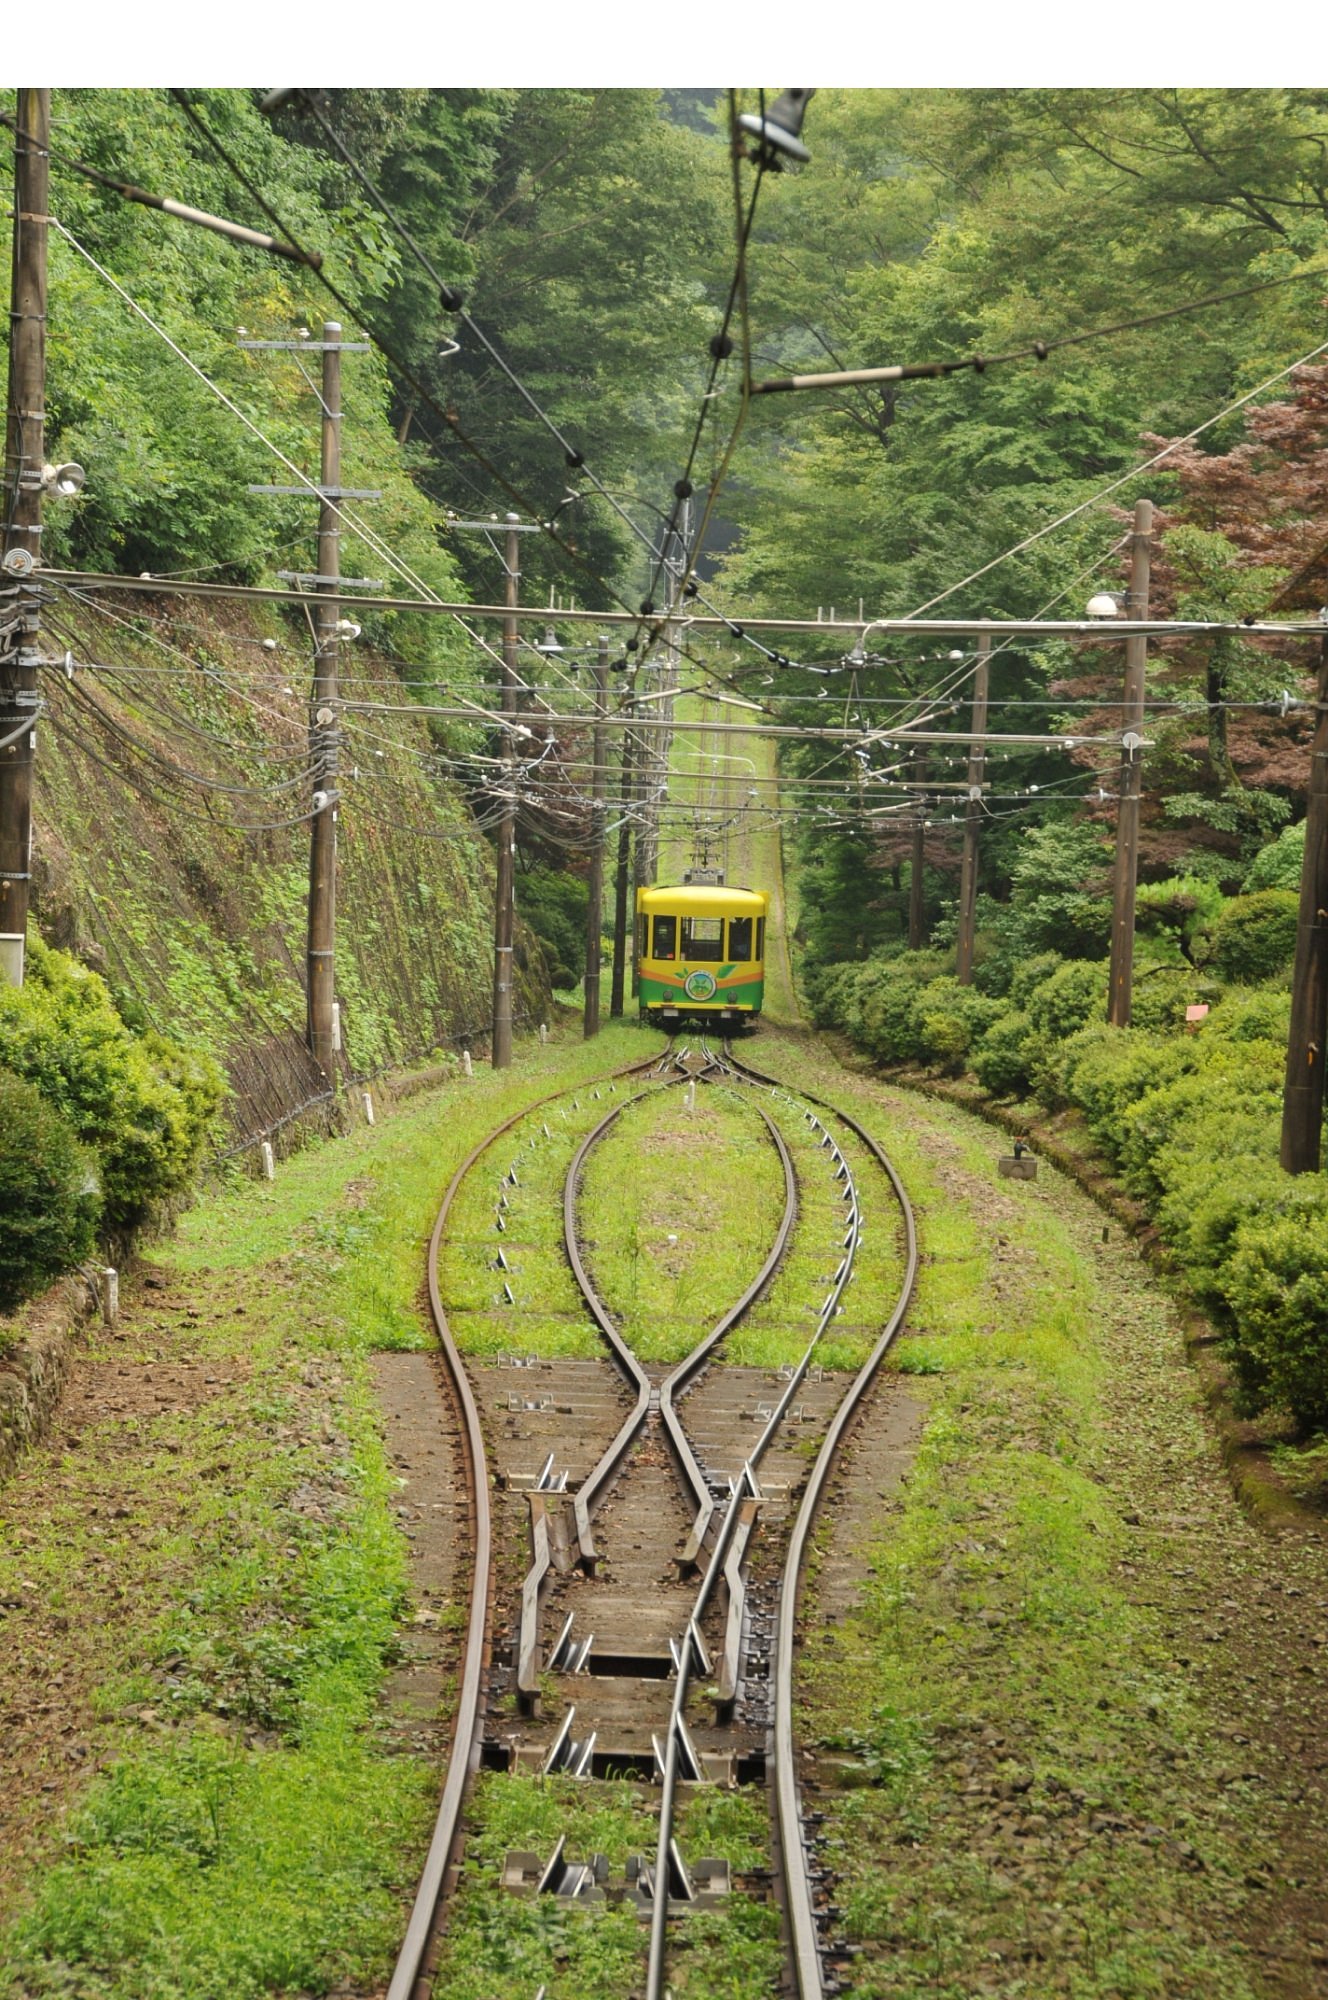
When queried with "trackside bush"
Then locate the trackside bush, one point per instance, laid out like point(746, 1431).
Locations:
point(1189, 1121)
point(49, 1199)
point(951, 1018)
point(142, 1103)
point(1002, 1059)
point(1275, 1284)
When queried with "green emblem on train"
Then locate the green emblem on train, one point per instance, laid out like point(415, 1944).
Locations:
point(700, 986)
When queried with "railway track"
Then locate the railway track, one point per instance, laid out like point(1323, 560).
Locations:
point(665, 1513)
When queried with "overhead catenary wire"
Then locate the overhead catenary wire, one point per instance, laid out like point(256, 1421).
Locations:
point(734, 627)
point(574, 456)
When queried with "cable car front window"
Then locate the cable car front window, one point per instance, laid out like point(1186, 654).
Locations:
point(666, 937)
point(703, 938)
point(740, 939)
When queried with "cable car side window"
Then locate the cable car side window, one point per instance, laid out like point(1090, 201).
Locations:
point(703, 938)
point(666, 937)
point(760, 937)
point(740, 939)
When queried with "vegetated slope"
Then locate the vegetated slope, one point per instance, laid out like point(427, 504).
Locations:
point(190, 898)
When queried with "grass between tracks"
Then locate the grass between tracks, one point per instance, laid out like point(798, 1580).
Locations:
point(682, 1208)
point(1025, 1794)
point(508, 1945)
point(201, 1578)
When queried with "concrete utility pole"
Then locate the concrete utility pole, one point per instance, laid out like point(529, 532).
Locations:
point(504, 914)
point(25, 449)
point(1126, 877)
point(1302, 1094)
point(324, 733)
point(650, 777)
point(968, 872)
point(595, 897)
point(653, 755)
point(621, 882)
point(917, 912)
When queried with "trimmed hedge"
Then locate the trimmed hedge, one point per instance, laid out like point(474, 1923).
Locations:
point(1190, 1121)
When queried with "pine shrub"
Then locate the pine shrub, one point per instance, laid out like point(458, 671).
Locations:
point(1255, 936)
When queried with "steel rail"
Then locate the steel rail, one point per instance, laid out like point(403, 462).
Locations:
point(691, 1651)
point(801, 1912)
point(599, 1476)
point(680, 1376)
point(584, 1501)
point(464, 1758)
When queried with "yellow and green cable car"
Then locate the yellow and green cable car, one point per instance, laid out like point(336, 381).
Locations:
point(700, 953)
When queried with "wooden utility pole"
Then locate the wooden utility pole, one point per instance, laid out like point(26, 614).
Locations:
point(25, 451)
point(322, 1031)
point(622, 880)
point(595, 897)
point(916, 905)
point(504, 916)
point(1302, 1094)
point(324, 732)
point(968, 871)
point(1126, 877)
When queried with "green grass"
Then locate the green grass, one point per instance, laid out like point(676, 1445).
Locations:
point(251, 1831)
point(506, 1944)
point(996, 1644)
point(686, 1206)
point(778, 1328)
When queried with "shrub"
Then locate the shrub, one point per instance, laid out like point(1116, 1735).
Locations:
point(142, 1103)
point(828, 988)
point(1068, 999)
point(1263, 1015)
point(1275, 1284)
point(1254, 936)
point(1031, 973)
point(1163, 992)
point(1109, 1069)
point(1211, 1112)
point(887, 1011)
point(951, 1018)
point(1209, 1195)
point(1177, 908)
point(49, 1200)
point(1002, 1059)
